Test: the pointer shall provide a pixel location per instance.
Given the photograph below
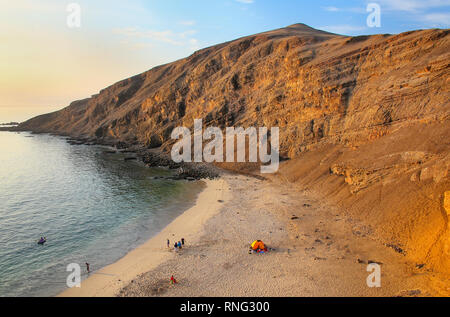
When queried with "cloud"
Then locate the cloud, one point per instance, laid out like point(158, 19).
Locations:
point(431, 13)
point(437, 19)
point(336, 9)
point(411, 5)
point(343, 29)
point(167, 36)
point(161, 36)
point(332, 9)
point(194, 44)
point(186, 34)
point(246, 1)
point(187, 23)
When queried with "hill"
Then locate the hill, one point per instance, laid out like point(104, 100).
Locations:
point(364, 121)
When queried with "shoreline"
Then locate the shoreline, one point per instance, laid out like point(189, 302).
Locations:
point(108, 281)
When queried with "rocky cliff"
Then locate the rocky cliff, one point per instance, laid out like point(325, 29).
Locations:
point(364, 121)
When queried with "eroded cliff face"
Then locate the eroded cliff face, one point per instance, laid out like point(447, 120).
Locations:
point(364, 120)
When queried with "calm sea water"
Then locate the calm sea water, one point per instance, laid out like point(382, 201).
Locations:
point(91, 206)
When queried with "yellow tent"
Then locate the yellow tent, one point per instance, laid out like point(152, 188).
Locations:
point(258, 245)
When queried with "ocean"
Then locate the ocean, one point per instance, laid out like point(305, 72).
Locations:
point(90, 205)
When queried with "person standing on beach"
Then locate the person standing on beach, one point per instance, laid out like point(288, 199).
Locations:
point(179, 244)
point(87, 268)
point(168, 243)
point(182, 241)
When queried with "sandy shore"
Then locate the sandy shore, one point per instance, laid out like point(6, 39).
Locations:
point(109, 280)
point(319, 251)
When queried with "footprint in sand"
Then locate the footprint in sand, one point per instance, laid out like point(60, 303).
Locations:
point(227, 266)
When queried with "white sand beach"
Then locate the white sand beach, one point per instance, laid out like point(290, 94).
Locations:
point(318, 250)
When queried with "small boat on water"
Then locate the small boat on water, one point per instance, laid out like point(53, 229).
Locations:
point(42, 241)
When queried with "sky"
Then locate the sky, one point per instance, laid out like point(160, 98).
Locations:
point(46, 62)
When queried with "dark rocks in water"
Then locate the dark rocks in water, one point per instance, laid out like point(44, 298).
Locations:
point(198, 171)
point(75, 143)
point(105, 142)
point(121, 145)
point(174, 178)
point(10, 123)
point(11, 129)
point(188, 171)
point(154, 159)
point(81, 141)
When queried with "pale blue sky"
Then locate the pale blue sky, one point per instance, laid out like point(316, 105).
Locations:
point(45, 65)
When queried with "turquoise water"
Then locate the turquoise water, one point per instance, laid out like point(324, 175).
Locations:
point(91, 206)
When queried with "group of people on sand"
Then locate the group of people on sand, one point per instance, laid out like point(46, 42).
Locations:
point(177, 245)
